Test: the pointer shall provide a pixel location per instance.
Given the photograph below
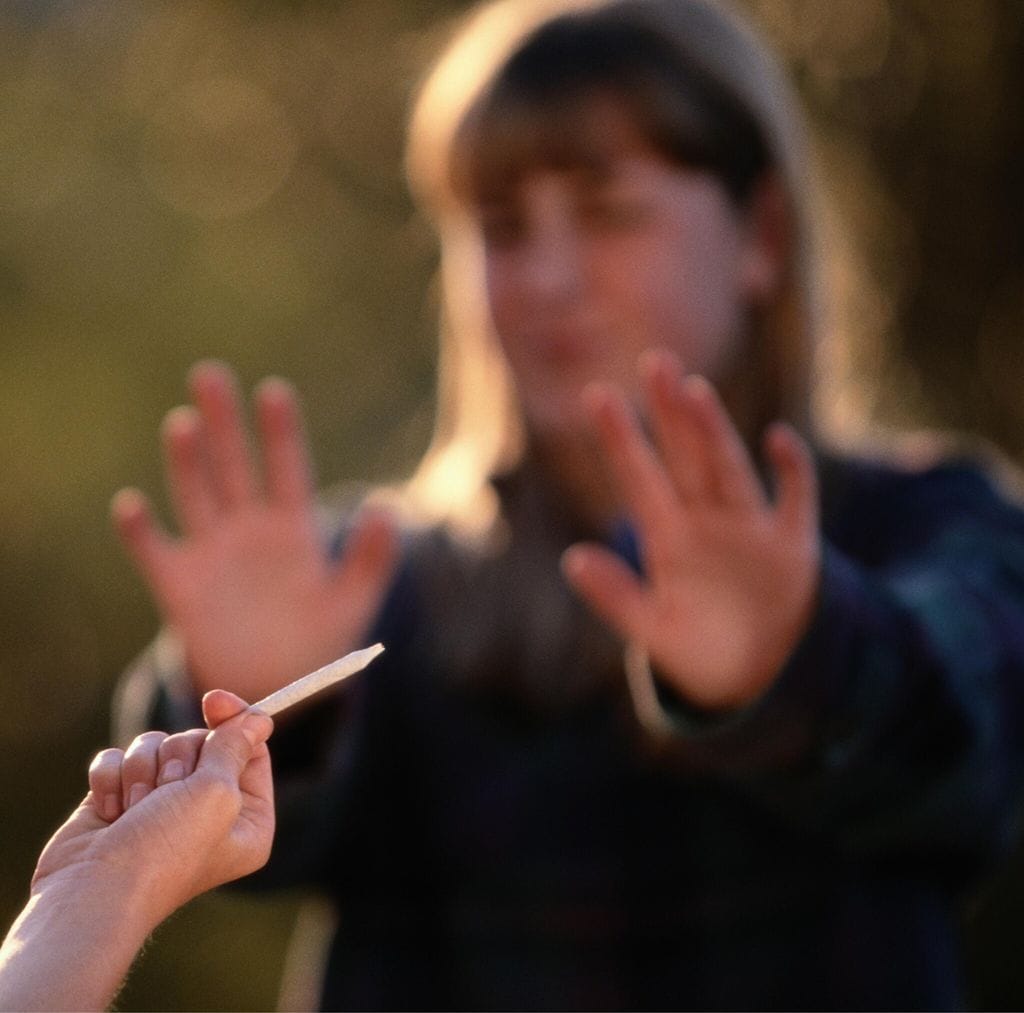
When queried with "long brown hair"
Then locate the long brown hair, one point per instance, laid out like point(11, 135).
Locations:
point(703, 90)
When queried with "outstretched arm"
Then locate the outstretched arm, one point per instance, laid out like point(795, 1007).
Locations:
point(165, 820)
point(867, 688)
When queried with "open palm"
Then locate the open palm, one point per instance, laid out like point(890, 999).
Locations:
point(248, 586)
point(730, 577)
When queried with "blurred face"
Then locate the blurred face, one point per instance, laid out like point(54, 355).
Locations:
point(586, 268)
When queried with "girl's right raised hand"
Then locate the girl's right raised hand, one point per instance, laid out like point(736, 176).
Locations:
point(247, 586)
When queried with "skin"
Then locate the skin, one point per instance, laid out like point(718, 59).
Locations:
point(588, 268)
point(247, 584)
point(604, 290)
point(612, 295)
point(730, 577)
point(164, 820)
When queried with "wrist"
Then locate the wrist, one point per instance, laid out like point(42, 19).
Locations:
point(73, 943)
point(112, 893)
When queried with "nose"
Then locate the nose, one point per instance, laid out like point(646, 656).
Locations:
point(553, 266)
point(555, 271)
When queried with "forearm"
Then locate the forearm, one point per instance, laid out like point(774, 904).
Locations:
point(74, 942)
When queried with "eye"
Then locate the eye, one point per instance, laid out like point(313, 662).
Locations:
point(614, 210)
point(501, 226)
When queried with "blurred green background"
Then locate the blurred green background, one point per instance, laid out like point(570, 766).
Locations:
point(189, 179)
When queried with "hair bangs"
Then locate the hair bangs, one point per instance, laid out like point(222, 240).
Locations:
point(544, 110)
point(500, 146)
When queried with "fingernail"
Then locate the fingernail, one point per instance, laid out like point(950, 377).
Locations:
point(654, 362)
point(573, 561)
point(111, 807)
point(137, 793)
point(173, 770)
point(256, 727)
point(699, 387)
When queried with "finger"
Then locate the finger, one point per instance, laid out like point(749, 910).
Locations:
point(178, 755)
point(105, 784)
point(219, 705)
point(733, 480)
point(609, 587)
point(188, 474)
point(640, 477)
point(215, 392)
point(228, 714)
point(286, 466)
point(368, 560)
point(234, 744)
point(256, 781)
point(682, 449)
point(139, 767)
point(796, 498)
point(145, 542)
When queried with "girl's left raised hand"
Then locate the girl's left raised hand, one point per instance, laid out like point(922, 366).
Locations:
point(730, 577)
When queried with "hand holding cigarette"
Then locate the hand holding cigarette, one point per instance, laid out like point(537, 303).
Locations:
point(164, 820)
point(322, 678)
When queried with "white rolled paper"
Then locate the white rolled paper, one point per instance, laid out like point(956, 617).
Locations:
point(301, 689)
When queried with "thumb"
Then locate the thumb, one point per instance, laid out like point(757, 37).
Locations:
point(233, 743)
point(219, 705)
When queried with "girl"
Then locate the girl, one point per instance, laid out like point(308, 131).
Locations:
point(677, 709)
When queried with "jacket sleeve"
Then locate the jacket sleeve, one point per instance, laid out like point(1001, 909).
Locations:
point(895, 724)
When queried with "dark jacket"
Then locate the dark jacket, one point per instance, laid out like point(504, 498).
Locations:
point(499, 830)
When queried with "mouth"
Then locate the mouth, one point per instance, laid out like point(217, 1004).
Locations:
point(566, 347)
